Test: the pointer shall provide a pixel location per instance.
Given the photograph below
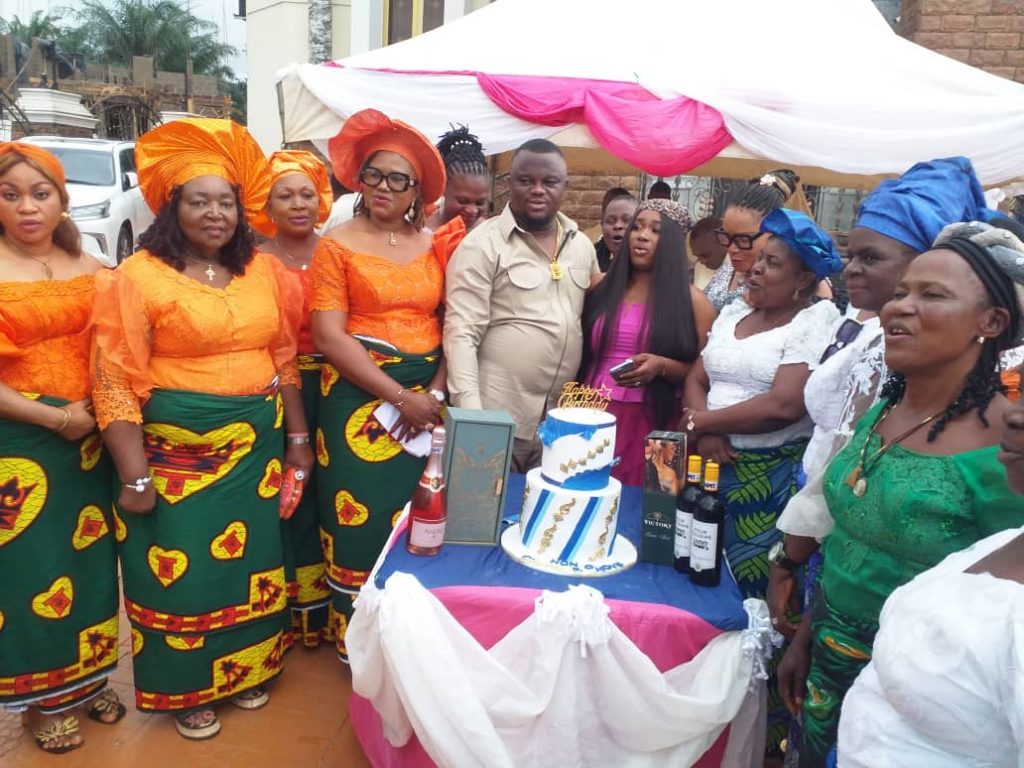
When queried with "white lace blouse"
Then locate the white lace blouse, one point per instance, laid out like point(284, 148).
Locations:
point(739, 369)
point(849, 374)
point(945, 687)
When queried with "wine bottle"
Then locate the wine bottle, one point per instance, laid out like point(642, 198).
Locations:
point(706, 536)
point(686, 504)
point(428, 510)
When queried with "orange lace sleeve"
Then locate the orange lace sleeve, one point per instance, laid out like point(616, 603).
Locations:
point(284, 348)
point(329, 286)
point(121, 343)
point(447, 238)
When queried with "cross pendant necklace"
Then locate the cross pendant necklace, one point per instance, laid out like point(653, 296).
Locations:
point(210, 272)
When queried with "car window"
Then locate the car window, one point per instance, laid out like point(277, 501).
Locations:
point(83, 166)
point(127, 160)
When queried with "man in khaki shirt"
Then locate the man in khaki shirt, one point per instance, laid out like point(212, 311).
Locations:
point(514, 296)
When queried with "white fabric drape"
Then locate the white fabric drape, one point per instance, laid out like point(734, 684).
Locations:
point(803, 82)
point(564, 688)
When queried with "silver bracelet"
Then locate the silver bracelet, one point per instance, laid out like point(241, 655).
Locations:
point(298, 439)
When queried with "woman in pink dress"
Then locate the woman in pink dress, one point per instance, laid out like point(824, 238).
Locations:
point(645, 311)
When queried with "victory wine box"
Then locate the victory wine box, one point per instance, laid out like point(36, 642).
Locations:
point(664, 476)
point(478, 455)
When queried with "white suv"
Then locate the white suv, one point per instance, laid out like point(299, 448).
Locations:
point(103, 185)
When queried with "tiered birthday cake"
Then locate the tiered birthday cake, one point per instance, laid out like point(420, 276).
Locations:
point(571, 507)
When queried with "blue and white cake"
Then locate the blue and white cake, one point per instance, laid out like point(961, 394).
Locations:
point(569, 522)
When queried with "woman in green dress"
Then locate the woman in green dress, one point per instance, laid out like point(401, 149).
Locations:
point(920, 479)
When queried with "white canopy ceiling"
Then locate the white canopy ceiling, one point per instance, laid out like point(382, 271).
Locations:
point(797, 82)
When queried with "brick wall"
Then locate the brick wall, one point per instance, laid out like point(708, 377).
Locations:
point(988, 34)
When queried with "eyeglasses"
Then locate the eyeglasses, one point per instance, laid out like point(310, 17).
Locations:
point(744, 241)
point(397, 182)
point(847, 331)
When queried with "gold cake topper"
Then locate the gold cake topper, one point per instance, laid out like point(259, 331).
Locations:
point(576, 395)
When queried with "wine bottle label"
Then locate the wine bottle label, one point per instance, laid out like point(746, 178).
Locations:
point(703, 546)
point(684, 523)
point(427, 533)
point(434, 483)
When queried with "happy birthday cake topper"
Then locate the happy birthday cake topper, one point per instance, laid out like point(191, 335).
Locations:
point(576, 395)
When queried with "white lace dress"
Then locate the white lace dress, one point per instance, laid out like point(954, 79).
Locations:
point(739, 369)
point(945, 687)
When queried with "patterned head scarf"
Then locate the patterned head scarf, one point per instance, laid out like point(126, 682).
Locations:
point(287, 162)
point(46, 161)
point(811, 244)
point(996, 256)
point(370, 131)
point(914, 208)
point(177, 152)
point(675, 211)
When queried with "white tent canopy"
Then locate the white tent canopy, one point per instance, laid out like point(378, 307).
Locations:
point(802, 83)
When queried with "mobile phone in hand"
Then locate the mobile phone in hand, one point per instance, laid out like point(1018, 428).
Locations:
point(624, 367)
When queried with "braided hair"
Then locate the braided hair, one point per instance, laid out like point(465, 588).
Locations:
point(462, 152)
point(766, 193)
point(983, 247)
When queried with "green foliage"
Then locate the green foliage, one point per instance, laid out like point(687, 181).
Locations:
point(116, 30)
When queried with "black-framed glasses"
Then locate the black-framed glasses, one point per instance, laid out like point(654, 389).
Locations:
point(397, 182)
point(744, 240)
point(847, 331)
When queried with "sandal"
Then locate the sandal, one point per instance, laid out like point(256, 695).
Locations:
point(56, 731)
point(197, 724)
point(254, 698)
point(106, 703)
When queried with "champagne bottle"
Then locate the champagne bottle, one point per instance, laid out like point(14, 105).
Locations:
point(686, 504)
point(707, 532)
point(428, 510)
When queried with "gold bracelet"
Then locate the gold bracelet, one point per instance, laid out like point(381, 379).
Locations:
point(399, 403)
point(64, 422)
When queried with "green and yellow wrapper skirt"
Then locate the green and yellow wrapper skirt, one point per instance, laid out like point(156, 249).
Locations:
point(204, 583)
point(365, 477)
point(58, 605)
point(304, 567)
point(755, 490)
point(840, 649)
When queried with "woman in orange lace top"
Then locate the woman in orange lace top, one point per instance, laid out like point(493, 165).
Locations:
point(57, 559)
point(300, 200)
point(378, 284)
point(195, 375)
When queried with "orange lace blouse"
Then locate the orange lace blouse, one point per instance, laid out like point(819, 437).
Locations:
point(397, 303)
point(155, 327)
point(301, 276)
point(44, 336)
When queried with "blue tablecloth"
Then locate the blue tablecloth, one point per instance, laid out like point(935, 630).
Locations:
point(460, 565)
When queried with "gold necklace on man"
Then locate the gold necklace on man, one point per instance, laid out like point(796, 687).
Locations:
point(47, 269)
point(556, 268)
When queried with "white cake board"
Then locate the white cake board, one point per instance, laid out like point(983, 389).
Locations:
point(623, 559)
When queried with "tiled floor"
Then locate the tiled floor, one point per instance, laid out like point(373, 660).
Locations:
point(305, 725)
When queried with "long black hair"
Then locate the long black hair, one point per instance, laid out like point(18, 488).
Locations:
point(165, 239)
point(668, 325)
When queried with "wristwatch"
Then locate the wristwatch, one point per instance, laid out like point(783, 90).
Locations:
point(777, 556)
point(437, 394)
point(139, 484)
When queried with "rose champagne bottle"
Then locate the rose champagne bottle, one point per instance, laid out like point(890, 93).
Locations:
point(428, 510)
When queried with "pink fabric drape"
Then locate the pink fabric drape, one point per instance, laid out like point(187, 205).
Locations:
point(664, 137)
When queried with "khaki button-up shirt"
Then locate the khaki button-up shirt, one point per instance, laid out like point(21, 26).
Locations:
point(512, 333)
